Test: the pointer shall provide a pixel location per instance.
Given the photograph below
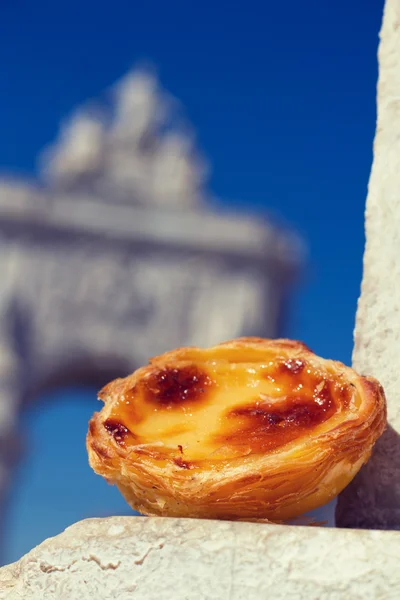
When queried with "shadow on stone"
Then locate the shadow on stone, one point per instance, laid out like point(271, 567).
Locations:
point(372, 500)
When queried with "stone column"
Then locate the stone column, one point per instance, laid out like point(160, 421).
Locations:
point(373, 499)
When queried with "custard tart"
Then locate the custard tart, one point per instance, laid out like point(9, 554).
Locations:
point(250, 429)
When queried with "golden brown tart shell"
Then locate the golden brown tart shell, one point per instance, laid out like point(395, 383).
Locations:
point(248, 429)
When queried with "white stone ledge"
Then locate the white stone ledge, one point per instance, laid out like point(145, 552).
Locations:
point(179, 559)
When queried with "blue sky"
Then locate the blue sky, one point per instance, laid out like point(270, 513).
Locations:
point(282, 95)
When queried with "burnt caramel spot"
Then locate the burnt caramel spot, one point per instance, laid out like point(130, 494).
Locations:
point(180, 447)
point(171, 387)
point(117, 430)
point(295, 412)
point(266, 425)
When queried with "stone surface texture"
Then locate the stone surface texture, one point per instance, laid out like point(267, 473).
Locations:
point(373, 499)
point(183, 559)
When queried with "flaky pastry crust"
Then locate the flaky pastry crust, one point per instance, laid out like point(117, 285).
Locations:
point(248, 429)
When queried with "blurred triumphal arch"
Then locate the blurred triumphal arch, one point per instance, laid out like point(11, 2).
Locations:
point(118, 255)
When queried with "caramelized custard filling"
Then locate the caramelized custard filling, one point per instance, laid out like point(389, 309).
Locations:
point(222, 407)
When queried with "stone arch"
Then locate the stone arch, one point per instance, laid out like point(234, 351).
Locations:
point(120, 257)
